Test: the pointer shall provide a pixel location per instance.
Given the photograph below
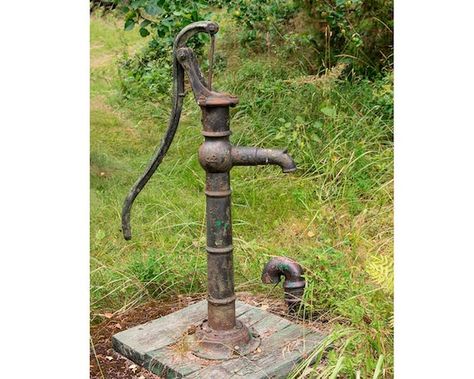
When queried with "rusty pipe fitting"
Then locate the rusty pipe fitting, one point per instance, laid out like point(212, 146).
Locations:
point(253, 156)
point(221, 156)
point(294, 283)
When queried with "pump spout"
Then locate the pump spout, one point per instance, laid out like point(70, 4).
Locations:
point(253, 156)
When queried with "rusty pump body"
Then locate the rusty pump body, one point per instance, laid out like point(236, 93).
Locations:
point(221, 336)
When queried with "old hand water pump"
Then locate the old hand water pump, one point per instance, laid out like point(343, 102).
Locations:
point(221, 335)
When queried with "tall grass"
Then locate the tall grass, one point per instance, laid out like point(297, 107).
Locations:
point(334, 216)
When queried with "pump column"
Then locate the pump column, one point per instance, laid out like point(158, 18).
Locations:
point(215, 158)
point(220, 270)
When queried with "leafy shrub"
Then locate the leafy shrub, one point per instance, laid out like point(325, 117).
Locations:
point(163, 19)
point(148, 73)
point(324, 33)
point(260, 20)
point(356, 31)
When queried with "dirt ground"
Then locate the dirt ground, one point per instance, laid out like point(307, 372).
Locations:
point(105, 363)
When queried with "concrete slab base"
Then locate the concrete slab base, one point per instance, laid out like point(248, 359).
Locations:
point(162, 345)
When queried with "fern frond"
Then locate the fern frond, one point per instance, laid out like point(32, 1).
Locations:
point(380, 270)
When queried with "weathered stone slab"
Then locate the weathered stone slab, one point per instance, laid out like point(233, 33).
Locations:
point(160, 345)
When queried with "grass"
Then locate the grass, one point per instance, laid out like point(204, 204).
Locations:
point(334, 216)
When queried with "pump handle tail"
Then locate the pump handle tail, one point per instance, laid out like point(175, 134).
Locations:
point(177, 105)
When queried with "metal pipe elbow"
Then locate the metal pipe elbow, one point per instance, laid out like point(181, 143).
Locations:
point(294, 283)
point(280, 158)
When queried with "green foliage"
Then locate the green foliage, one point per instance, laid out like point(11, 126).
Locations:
point(259, 20)
point(151, 270)
point(322, 33)
point(329, 283)
point(148, 74)
point(261, 15)
point(355, 31)
point(163, 19)
point(338, 288)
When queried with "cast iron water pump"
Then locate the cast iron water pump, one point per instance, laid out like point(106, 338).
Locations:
point(221, 335)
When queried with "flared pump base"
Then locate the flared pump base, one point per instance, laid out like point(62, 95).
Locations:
point(223, 344)
point(163, 345)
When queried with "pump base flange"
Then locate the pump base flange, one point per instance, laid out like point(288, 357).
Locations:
point(223, 344)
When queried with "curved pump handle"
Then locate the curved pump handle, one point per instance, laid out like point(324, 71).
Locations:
point(177, 105)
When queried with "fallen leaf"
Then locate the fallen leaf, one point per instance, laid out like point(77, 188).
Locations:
point(109, 357)
point(118, 326)
point(311, 234)
point(108, 315)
